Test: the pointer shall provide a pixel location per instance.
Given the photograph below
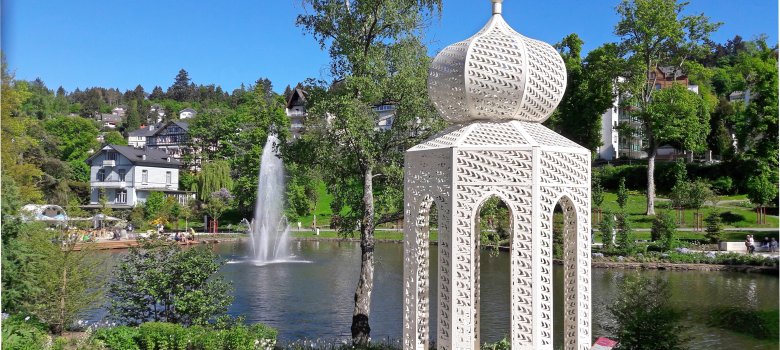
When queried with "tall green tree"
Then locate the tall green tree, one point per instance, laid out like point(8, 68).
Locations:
point(376, 56)
point(213, 177)
point(654, 33)
point(590, 91)
point(181, 90)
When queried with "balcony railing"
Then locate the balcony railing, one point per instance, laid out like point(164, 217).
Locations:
point(109, 162)
point(296, 114)
point(109, 184)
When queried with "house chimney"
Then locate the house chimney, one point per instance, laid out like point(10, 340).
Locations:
point(143, 157)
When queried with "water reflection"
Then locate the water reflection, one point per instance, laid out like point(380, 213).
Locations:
point(315, 300)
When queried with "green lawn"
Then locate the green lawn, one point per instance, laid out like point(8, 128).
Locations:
point(731, 215)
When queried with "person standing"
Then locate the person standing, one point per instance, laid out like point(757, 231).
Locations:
point(773, 245)
point(751, 244)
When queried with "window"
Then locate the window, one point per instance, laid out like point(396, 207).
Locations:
point(658, 86)
point(168, 177)
point(101, 175)
point(144, 176)
point(122, 174)
point(110, 155)
point(121, 196)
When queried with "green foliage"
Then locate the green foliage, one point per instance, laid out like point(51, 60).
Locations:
point(48, 279)
point(723, 185)
point(606, 228)
point(713, 230)
point(654, 33)
point(301, 194)
point(664, 229)
point(114, 138)
point(597, 192)
point(21, 334)
point(160, 335)
point(644, 318)
point(622, 193)
point(213, 177)
point(589, 91)
point(69, 282)
point(159, 281)
point(75, 136)
point(759, 324)
point(502, 344)
point(118, 338)
point(761, 189)
point(154, 207)
point(625, 236)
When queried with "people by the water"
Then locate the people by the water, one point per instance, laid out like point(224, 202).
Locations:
point(750, 244)
point(773, 245)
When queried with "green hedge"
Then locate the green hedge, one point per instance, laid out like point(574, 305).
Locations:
point(636, 175)
point(169, 336)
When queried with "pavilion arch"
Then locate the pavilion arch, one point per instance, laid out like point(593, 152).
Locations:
point(570, 243)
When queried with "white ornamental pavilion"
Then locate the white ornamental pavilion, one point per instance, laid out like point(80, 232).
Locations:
point(496, 88)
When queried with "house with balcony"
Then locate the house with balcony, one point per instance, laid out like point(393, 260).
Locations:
point(172, 137)
point(126, 176)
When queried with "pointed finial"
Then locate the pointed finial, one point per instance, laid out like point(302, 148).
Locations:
point(496, 6)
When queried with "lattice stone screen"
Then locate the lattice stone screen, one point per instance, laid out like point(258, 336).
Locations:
point(497, 86)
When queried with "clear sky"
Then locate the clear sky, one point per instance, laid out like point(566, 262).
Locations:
point(112, 43)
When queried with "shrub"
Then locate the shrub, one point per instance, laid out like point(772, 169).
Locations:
point(622, 193)
point(162, 336)
point(723, 185)
point(23, 333)
point(118, 338)
point(645, 319)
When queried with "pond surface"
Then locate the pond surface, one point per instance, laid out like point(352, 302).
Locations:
point(315, 300)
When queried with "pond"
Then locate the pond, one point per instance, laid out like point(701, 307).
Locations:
point(314, 300)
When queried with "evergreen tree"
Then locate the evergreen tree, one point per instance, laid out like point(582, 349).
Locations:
point(157, 94)
point(181, 90)
point(622, 193)
point(713, 227)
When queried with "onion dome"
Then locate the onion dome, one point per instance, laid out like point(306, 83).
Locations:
point(497, 75)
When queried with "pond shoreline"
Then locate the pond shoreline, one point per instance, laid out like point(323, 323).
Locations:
point(602, 264)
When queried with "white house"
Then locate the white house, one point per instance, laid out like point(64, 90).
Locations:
point(187, 113)
point(127, 175)
point(137, 138)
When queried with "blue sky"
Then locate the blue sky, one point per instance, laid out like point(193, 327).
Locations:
point(111, 43)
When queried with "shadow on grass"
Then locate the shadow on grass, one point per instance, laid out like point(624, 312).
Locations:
point(731, 218)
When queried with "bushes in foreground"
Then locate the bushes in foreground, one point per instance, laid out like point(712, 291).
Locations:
point(169, 336)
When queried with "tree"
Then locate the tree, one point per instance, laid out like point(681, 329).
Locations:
point(644, 318)
point(376, 56)
point(154, 206)
point(607, 229)
point(213, 177)
point(589, 91)
point(159, 281)
point(157, 94)
point(114, 138)
point(217, 203)
point(663, 230)
point(762, 190)
point(75, 137)
point(654, 33)
point(181, 90)
point(69, 282)
point(713, 227)
point(622, 194)
point(625, 236)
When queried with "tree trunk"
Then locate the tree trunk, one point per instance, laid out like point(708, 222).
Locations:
point(360, 328)
point(651, 182)
point(60, 326)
